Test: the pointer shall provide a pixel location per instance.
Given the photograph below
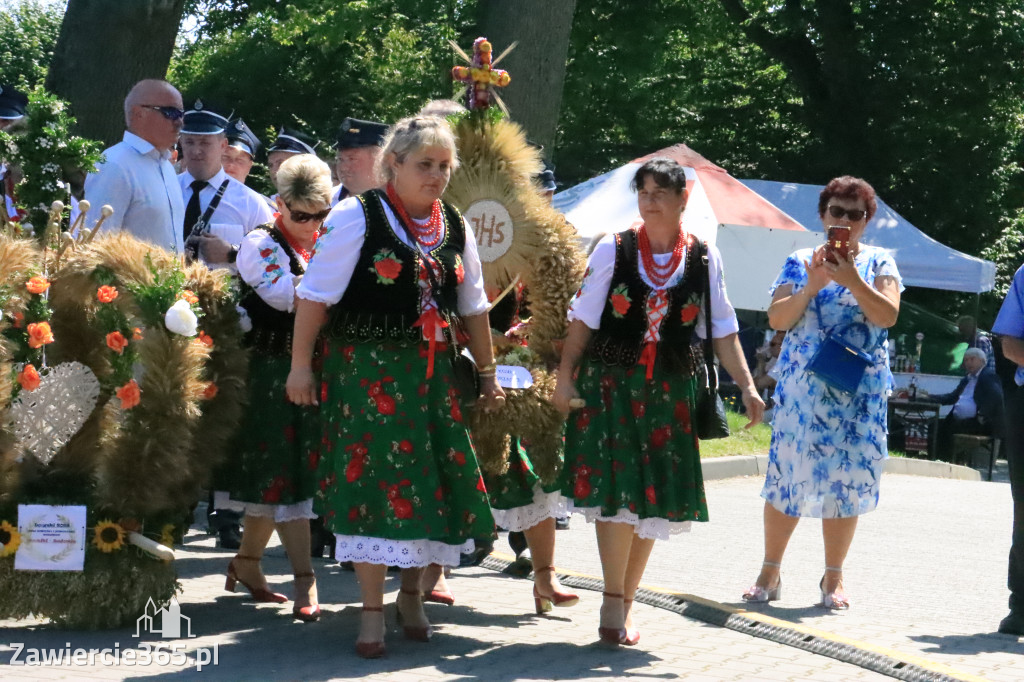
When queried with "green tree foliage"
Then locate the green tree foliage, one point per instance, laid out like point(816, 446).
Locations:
point(28, 32)
point(311, 63)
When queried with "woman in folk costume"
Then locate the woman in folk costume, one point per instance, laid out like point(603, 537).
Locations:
point(273, 479)
point(631, 459)
point(393, 269)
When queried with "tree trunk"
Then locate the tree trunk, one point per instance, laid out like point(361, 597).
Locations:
point(104, 48)
point(537, 65)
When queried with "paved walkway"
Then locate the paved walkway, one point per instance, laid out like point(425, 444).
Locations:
point(927, 576)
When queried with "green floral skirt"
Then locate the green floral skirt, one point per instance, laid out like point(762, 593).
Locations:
point(276, 451)
point(518, 499)
point(397, 463)
point(631, 454)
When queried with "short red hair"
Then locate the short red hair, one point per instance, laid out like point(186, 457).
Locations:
point(848, 187)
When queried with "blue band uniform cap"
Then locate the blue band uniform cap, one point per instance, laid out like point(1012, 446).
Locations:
point(546, 178)
point(354, 133)
point(241, 137)
point(13, 102)
point(201, 120)
point(293, 142)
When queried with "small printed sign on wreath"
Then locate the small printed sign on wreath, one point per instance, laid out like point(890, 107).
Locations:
point(52, 538)
point(492, 225)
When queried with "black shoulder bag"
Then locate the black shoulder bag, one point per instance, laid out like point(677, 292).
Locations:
point(710, 418)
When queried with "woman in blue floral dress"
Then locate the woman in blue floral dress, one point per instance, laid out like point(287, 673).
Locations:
point(828, 447)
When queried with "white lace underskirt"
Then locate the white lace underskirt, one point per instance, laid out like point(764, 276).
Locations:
point(281, 513)
point(648, 529)
point(544, 506)
point(401, 553)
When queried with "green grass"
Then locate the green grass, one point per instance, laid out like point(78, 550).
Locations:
point(754, 441)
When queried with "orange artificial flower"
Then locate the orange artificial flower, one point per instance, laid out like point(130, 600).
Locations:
point(39, 334)
point(106, 293)
point(37, 284)
point(206, 339)
point(116, 342)
point(189, 297)
point(129, 395)
point(210, 392)
point(136, 334)
point(29, 378)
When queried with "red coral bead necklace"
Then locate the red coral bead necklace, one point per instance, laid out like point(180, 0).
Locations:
point(660, 274)
point(428, 235)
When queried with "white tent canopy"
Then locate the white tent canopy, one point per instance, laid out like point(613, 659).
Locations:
point(923, 262)
point(753, 236)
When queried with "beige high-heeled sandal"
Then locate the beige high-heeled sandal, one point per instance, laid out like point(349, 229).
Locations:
point(833, 600)
point(760, 595)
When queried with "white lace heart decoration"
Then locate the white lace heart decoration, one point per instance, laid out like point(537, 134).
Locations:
point(46, 418)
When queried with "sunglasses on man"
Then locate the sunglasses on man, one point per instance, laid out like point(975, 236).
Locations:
point(303, 217)
point(853, 214)
point(170, 113)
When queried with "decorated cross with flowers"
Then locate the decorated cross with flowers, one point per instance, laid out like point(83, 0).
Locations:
point(481, 76)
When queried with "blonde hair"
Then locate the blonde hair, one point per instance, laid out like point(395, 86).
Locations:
point(411, 134)
point(304, 179)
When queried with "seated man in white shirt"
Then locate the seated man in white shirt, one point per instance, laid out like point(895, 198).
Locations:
point(136, 178)
point(977, 404)
point(219, 210)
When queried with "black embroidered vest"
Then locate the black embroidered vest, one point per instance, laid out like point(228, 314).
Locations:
point(620, 339)
point(382, 301)
point(271, 332)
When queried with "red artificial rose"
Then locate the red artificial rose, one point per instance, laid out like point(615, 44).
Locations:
point(402, 507)
point(348, 352)
point(460, 458)
point(405, 447)
point(388, 268)
point(689, 313)
point(375, 389)
point(582, 488)
point(639, 408)
point(620, 303)
point(456, 411)
point(652, 497)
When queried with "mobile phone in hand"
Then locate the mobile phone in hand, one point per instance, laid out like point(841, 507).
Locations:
point(837, 243)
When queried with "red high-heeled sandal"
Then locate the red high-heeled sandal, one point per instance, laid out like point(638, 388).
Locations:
point(613, 636)
point(311, 612)
point(544, 602)
point(414, 632)
point(371, 649)
point(260, 594)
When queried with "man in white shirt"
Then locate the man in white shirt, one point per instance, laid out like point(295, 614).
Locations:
point(356, 151)
point(227, 209)
point(136, 178)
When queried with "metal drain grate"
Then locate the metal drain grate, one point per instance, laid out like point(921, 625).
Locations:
point(847, 653)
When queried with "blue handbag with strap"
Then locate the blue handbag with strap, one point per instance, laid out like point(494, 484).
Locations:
point(839, 361)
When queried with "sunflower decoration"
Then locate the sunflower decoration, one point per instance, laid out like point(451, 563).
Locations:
point(520, 238)
point(108, 536)
point(10, 539)
point(167, 535)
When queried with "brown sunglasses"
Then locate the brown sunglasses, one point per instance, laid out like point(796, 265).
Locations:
point(303, 217)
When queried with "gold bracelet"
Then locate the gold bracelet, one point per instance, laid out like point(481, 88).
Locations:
point(489, 367)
